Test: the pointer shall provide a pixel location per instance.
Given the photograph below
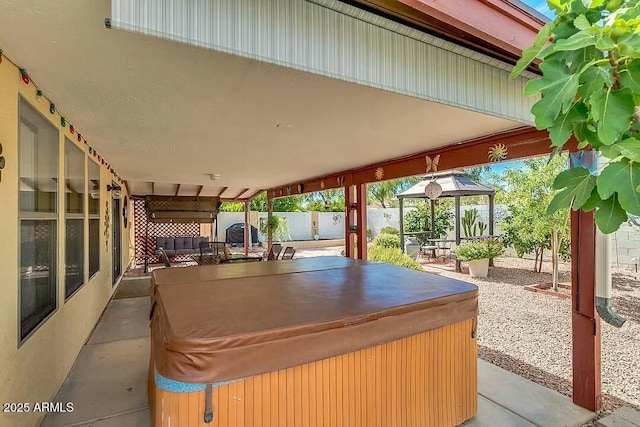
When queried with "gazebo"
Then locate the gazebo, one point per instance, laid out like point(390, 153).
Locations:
point(454, 184)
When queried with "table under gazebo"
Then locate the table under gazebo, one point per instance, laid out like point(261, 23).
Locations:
point(454, 184)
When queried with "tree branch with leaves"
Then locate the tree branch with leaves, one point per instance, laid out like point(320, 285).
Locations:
point(590, 88)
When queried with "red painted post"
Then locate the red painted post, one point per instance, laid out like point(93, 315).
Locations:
point(585, 321)
point(349, 236)
point(361, 219)
point(247, 228)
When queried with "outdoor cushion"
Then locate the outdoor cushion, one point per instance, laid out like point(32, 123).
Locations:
point(165, 243)
point(196, 242)
point(183, 243)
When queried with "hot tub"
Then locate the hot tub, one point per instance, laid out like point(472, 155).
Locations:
point(359, 344)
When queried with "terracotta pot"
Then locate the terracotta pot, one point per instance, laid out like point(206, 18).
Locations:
point(478, 267)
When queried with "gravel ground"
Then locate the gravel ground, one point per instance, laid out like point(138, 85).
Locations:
point(530, 333)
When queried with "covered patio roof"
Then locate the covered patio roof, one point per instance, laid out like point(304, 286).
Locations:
point(168, 115)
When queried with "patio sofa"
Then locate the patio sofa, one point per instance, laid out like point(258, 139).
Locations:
point(180, 245)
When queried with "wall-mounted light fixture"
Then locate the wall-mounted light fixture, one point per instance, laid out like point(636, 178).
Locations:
point(116, 192)
point(94, 193)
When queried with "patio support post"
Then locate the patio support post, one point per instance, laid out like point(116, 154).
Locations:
point(457, 213)
point(349, 235)
point(247, 228)
point(269, 215)
point(361, 219)
point(585, 321)
point(491, 207)
point(401, 223)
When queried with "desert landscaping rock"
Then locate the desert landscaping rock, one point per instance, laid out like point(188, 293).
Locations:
point(530, 333)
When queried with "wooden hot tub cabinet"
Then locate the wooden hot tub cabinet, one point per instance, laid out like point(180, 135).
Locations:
point(363, 345)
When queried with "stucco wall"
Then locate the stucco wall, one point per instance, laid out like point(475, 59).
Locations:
point(34, 370)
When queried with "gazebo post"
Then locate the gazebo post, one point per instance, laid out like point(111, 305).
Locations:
point(401, 223)
point(491, 207)
point(433, 218)
point(247, 228)
point(457, 213)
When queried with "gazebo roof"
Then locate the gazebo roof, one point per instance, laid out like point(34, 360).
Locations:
point(454, 183)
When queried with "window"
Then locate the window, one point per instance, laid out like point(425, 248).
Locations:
point(38, 198)
point(94, 218)
point(74, 179)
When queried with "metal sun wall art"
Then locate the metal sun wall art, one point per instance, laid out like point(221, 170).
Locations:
point(379, 174)
point(498, 153)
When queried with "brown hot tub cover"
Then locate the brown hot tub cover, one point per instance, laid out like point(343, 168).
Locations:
point(226, 329)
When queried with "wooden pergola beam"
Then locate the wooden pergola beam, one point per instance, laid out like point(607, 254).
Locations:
point(222, 191)
point(241, 193)
point(153, 188)
point(199, 190)
point(177, 189)
point(520, 143)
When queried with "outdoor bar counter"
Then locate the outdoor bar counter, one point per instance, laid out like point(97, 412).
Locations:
point(328, 342)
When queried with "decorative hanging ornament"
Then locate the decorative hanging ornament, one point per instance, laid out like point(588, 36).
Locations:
point(72, 129)
point(0, 56)
point(52, 108)
point(39, 95)
point(24, 76)
point(322, 185)
point(498, 153)
point(63, 122)
point(79, 137)
point(90, 150)
point(433, 190)
point(300, 188)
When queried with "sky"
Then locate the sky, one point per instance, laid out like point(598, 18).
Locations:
point(540, 6)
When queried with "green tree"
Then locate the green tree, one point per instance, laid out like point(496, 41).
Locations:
point(282, 204)
point(232, 207)
point(384, 193)
point(529, 227)
point(319, 200)
point(590, 89)
point(419, 219)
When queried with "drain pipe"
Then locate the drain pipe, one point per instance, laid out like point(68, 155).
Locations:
point(603, 281)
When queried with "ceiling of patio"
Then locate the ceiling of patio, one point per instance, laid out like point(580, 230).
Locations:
point(172, 114)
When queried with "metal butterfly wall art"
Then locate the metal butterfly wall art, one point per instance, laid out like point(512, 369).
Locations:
point(432, 165)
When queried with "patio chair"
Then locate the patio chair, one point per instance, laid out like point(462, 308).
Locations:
point(288, 253)
point(164, 257)
point(273, 253)
point(211, 248)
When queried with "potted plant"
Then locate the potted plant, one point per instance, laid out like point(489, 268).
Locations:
point(477, 254)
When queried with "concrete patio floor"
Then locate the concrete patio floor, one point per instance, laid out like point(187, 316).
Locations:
point(107, 384)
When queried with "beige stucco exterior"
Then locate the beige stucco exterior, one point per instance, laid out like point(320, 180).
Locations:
point(34, 370)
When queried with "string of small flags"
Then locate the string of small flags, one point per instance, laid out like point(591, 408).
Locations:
point(26, 79)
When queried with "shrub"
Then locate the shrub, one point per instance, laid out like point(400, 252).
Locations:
point(387, 241)
point(479, 249)
point(389, 230)
point(392, 256)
